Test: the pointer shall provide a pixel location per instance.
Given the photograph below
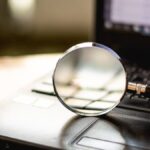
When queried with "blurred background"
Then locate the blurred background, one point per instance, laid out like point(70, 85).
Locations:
point(44, 26)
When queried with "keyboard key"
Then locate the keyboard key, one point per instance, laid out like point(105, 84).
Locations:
point(148, 82)
point(25, 99)
point(135, 103)
point(47, 81)
point(43, 88)
point(117, 83)
point(88, 111)
point(138, 98)
point(78, 103)
point(100, 105)
point(90, 94)
point(44, 103)
point(113, 97)
point(66, 91)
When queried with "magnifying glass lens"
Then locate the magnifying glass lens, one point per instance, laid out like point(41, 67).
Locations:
point(90, 79)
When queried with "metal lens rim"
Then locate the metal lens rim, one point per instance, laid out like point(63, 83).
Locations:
point(84, 45)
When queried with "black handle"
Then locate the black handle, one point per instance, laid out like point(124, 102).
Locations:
point(147, 91)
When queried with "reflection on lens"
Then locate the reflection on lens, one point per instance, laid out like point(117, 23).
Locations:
point(89, 79)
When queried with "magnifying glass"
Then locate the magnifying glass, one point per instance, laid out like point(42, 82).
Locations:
point(90, 79)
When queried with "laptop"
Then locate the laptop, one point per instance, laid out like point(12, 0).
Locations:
point(35, 119)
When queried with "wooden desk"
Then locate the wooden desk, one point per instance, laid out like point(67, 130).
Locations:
point(17, 72)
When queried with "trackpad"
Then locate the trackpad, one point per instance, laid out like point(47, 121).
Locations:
point(116, 133)
point(101, 144)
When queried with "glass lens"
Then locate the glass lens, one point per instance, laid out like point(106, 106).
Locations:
point(89, 79)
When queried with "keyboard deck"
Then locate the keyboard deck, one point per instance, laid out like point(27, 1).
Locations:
point(130, 101)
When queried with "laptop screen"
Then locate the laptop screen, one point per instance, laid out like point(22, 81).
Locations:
point(124, 25)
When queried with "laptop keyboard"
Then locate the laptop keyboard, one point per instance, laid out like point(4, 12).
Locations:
point(134, 101)
point(130, 101)
point(137, 74)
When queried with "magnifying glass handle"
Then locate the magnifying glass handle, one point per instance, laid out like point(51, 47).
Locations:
point(138, 88)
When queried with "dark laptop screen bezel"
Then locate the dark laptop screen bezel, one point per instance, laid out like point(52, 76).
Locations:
point(129, 45)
